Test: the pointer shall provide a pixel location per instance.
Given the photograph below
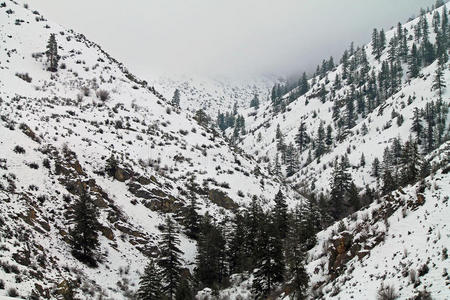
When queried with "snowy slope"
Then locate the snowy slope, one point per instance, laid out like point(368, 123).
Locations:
point(164, 156)
point(387, 241)
point(261, 142)
point(215, 94)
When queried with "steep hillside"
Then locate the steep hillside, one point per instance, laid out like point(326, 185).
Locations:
point(374, 124)
point(398, 242)
point(93, 127)
point(215, 95)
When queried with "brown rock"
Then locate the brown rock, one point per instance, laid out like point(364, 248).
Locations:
point(221, 199)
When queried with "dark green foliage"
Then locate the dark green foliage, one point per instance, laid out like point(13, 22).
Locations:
point(170, 259)
point(84, 234)
point(52, 54)
point(192, 219)
point(176, 98)
point(184, 291)
point(211, 258)
point(280, 214)
point(339, 184)
point(302, 138)
point(270, 266)
point(150, 286)
point(255, 101)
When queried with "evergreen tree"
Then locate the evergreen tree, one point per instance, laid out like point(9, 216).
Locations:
point(238, 255)
point(320, 142)
point(301, 139)
point(280, 214)
point(184, 291)
point(376, 44)
point(295, 258)
point(339, 184)
point(303, 84)
point(52, 53)
point(329, 137)
point(439, 82)
point(84, 235)
point(192, 219)
point(211, 257)
point(416, 124)
point(376, 167)
point(353, 197)
point(150, 283)
point(412, 161)
point(414, 62)
point(270, 267)
point(176, 98)
point(170, 259)
point(255, 101)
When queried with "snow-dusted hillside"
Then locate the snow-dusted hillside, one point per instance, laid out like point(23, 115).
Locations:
point(381, 122)
point(399, 241)
point(57, 137)
point(215, 95)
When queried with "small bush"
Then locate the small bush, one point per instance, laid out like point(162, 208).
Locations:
point(33, 165)
point(412, 275)
point(46, 163)
point(19, 149)
point(103, 95)
point(24, 77)
point(2, 284)
point(12, 292)
point(387, 293)
point(423, 270)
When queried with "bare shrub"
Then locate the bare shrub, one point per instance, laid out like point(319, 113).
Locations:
point(386, 293)
point(103, 95)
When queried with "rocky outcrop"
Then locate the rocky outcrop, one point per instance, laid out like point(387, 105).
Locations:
point(221, 199)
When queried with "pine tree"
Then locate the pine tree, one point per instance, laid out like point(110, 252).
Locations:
point(238, 255)
point(170, 259)
point(280, 214)
point(192, 219)
point(150, 283)
point(439, 82)
point(255, 101)
point(184, 291)
point(412, 161)
point(414, 62)
point(376, 43)
point(303, 84)
point(84, 235)
point(376, 167)
point(211, 255)
point(270, 267)
point(353, 197)
point(339, 184)
point(295, 258)
point(52, 53)
point(301, 139)
point(416, 124)
point(320, 142)
point(176, 98)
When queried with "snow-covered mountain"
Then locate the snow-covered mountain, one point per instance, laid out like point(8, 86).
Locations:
point(216, 94)
point(60, 131)
point(381, 123)
point(94, 127)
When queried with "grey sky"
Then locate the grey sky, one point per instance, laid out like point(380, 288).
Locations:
point(232, 37)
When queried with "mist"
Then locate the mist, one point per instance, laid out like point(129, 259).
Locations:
point(233, 37)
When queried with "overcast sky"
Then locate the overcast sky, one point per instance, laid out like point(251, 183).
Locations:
point(226, 37)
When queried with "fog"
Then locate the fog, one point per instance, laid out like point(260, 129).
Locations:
point(228, 37)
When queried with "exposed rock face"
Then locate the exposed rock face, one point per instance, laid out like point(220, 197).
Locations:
point(122, 175)
point(221, 199)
